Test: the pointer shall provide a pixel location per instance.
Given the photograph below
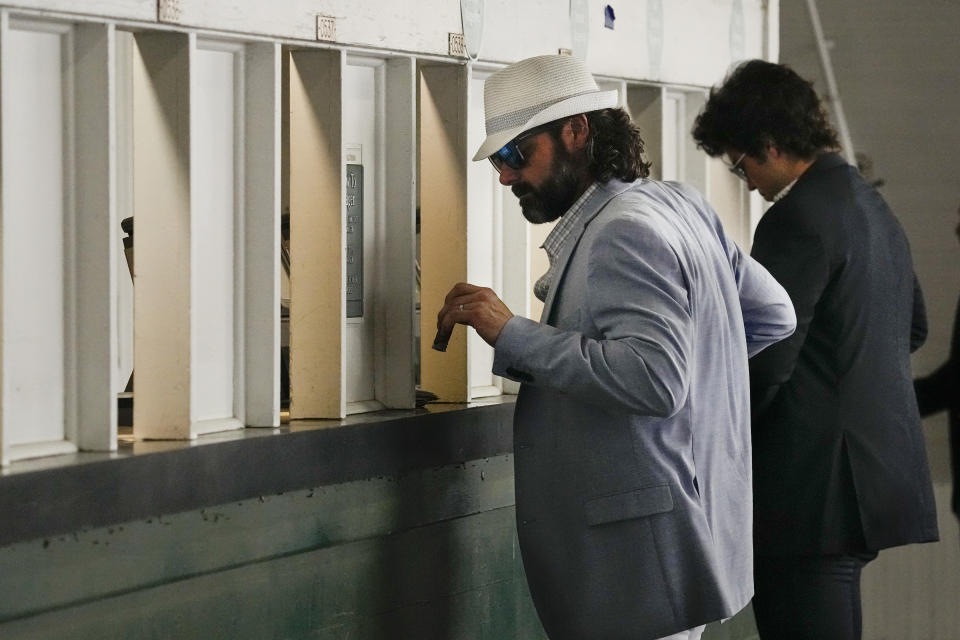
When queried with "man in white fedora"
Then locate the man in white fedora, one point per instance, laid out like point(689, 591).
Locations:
point(632, 427)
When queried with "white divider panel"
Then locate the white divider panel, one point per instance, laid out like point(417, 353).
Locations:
point(499, 247)
point(378, 345)
point(363, 102)
point(216, 236)
point(262, 230)
point(695, 160)
point(189, 234)
point(727, 193)
point(485, 241)
point(521, 241)
point(123, 83)
point(395, 305)
point(646, 105)
point(97, 237)
point(38, 315)
point(673, 151)
point(613, 84)
point(316, 195)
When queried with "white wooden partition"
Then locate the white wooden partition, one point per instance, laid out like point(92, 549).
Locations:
point(206, 217)
point(261, 219)
point(379, 128)
point(396, 239)
point(645, 103)
point(97, 231)
point(485, 239)
point(499, 246)
point(57, 343)
point(351, 342)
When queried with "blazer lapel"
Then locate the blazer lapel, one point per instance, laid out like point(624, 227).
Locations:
point(594, 205)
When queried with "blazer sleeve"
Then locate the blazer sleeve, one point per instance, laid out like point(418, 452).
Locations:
point(937, 392)
point(768, 314)
point(933, 391)
point(637, 299)
point(794, 254)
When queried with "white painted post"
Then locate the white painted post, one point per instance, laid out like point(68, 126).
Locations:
point(97, 236)
point(262, 236)
point(396, 245)
point(485, 241)
point(38, 413)
point(217, 189)
point(646, 104)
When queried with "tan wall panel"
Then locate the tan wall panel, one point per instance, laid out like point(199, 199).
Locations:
point(443, 223)
point(162, 223)
point(316, 235)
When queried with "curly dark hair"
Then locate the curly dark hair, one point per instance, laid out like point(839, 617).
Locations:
point(615, 148)
point(762, 104)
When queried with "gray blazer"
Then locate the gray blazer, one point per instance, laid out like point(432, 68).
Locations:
point(632, 431)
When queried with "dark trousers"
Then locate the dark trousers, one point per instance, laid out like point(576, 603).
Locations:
point(809, 597)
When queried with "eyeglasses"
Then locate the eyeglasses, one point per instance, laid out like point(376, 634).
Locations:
point(737, 170)
point(510, 153)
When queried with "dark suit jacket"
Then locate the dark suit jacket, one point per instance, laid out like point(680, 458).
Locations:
point(839, 457)
point(941, 390)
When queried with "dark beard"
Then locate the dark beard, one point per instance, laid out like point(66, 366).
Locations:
point(557, 193)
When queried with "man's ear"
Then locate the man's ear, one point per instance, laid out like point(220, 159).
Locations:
point(576, 132)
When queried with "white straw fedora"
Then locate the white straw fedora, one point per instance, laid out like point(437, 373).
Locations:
point(536, 91)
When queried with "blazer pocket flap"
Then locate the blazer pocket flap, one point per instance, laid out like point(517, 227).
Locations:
point(629, 505)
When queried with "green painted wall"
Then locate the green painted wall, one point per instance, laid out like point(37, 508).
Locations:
point(429, 555)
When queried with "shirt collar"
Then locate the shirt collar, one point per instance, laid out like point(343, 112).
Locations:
point(784, 191)
point(556, 238)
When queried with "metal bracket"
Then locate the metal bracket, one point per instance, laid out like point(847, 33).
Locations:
point(326, 28)
point(456, 46)
point(168, 11)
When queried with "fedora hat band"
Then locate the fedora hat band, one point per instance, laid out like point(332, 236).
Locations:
point(520, 117)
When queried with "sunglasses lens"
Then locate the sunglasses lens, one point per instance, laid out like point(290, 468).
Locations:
point(508, 155)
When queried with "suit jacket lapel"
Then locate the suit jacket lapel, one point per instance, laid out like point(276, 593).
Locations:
point(594, 204)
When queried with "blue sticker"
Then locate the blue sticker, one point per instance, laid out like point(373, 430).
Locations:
point(608, 17)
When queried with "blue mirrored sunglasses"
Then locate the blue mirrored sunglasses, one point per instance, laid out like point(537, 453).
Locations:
point(510, 154)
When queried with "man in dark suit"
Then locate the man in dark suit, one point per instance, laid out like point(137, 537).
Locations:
point(941, 390)
point(840, 468)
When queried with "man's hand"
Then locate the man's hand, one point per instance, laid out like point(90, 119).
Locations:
point(478, 307)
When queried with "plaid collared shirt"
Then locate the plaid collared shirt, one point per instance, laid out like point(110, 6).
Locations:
point(557, 238)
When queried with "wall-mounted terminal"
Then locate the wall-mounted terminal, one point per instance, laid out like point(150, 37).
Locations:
point(326, 28)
